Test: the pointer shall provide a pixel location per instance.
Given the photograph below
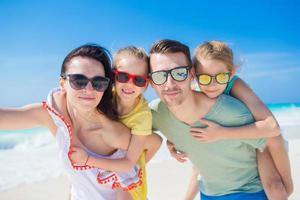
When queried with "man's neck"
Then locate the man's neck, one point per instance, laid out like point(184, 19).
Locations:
point(195, 106)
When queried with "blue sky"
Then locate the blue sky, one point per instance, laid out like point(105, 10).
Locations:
point(35, 36)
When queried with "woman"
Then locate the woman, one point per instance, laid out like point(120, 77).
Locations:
point(80, 113)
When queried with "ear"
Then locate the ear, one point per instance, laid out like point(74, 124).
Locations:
point(232, 73)
point(62, 84)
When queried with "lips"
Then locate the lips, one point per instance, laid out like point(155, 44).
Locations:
point(171, 93)
point(211, 91)
point(128, 92)
point(87, 98)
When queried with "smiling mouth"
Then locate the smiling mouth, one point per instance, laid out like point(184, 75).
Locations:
point(127, 91)
point(171, 93)
point(210, 91)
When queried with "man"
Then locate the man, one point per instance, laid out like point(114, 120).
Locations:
point(228, 167)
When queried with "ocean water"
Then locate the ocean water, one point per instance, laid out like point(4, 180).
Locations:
point(31, 155)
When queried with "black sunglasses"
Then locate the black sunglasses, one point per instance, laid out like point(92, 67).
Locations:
point(80, 81)
point(177, 73)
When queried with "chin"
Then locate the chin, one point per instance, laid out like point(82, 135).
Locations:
point(212, 96)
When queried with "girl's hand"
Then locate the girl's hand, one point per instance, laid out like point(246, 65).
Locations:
point(178, 155)
point(213, 132)
point(78, 156)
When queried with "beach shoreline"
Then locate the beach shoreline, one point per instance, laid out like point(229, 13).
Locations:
point(164, 178)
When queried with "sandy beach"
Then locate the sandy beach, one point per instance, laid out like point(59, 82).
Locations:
point(167, 180)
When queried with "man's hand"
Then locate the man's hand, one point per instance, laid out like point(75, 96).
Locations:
point(178, 155)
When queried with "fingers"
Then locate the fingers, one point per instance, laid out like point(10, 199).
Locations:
point(181, 160)
point(170, 144)
point(197, 130)
point(201, 137)
point(180, 157)
point(207, 122)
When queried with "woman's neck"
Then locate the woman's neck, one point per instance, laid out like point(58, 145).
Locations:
point(82, 118)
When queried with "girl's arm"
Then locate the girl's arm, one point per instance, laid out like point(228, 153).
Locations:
point(29, 116)
point(79, 157)
point(265, 125)
point(136, 146)
point(264, 118)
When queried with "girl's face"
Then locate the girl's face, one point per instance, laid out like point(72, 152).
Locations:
point(212, 68)
point(88, 98)
point(128, 91)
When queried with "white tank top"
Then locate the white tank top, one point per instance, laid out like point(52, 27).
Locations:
point(87, 183)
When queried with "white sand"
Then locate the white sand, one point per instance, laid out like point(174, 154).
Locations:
point(166, 180)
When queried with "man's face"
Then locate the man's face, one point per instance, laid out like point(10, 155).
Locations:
point(172, 92)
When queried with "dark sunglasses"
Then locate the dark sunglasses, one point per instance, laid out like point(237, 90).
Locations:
point(221, 78)
point(123, 77)
point(80, 81)
point(177, 73)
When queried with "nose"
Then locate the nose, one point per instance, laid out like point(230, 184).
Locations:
point(130, 80)
point(170, 81)
point(213, 81)
point(89, 86)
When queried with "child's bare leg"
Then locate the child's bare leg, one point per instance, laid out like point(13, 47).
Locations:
point(121, 195)
point(281, 160)
point(193, 187)
point(270, 178)
point(152, 145)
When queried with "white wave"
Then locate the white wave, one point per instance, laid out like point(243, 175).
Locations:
point(33, 157)
point(288, 116)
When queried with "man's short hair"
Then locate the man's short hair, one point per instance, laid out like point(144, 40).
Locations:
point(171, 46)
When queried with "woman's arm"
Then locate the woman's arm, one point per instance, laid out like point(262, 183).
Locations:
point(29, 116)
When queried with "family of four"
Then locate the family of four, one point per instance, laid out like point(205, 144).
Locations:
point(104, 127)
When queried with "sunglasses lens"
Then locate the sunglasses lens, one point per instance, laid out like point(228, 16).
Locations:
point(204, 79)
point(159, 77)
point(78, 81)
point(222, 78)
point(140, 81)
point(122, 77)
point(100, 83)
point(179, 74)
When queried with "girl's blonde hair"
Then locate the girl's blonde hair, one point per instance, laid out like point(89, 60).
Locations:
point(131, 51)
point(214, 50)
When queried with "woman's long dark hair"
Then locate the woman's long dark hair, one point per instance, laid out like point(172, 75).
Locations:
point(102, 55)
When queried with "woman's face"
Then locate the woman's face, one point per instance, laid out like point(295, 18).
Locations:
point(135, 66)
point(88, 98)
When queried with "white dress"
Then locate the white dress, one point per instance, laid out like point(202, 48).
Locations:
point(87, 183)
